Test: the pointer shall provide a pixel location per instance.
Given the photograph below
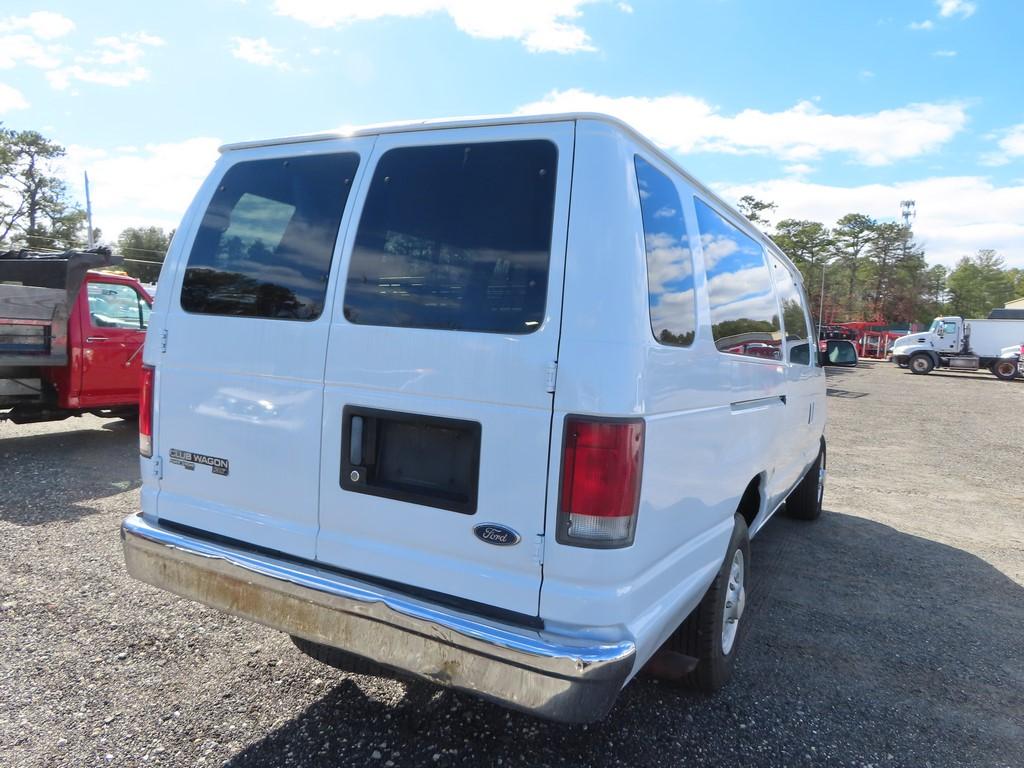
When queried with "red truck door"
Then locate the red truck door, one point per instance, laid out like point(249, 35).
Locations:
point(113, 318)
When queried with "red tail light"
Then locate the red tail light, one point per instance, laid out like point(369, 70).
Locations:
point(146, 411)
point(601, 465)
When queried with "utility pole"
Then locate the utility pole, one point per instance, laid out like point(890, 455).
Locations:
point(88, 210)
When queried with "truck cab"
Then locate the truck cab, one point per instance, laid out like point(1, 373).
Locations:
point(71, 339)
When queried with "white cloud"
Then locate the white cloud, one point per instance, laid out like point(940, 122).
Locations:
point(798, 169)
point(1010, 143)
point(956, 215)
point(11, 98)
point(540, 25)
point(42, 24)
point(624, 7)
point(257, 50)
point(24, 49)
point(961, 8)
point(151, 185)
point(944, 54)
point(799, 134)
point(113, 60)
point(922, 25)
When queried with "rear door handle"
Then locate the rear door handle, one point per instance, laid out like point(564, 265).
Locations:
point(91, 339)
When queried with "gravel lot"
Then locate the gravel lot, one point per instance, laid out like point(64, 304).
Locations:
point(890, 632)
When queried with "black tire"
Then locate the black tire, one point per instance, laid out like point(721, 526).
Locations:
point(1005, 369)
point(804, 502)
point(701, 635)
point(921, 364)
point(343, 660)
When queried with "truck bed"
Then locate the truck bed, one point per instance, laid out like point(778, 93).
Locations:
point(37, 292)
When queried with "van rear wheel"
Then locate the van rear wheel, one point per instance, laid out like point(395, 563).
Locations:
point(711, 633)
point(804, 503)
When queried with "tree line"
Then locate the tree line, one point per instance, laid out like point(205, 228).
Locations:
point(37, 212)
point(861, 268)
point(873, 270)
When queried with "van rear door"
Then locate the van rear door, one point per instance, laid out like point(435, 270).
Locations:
point(240, 385)
point(440, 367)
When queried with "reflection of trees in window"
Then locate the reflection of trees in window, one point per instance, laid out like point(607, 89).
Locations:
point(793, 319)
point(676, 339)
point(456, 237)
point(744, 313)
point(669, 260)
point(265, 244)
point(232, 293)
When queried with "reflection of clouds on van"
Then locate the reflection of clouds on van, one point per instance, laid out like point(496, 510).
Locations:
point(740, 290)
point(669, 260)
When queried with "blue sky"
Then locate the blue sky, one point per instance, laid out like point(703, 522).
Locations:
point(821, 107)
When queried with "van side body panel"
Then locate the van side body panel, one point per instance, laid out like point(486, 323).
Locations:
point(703, 444)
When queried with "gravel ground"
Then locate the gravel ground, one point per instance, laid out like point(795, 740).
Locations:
point(887, 633)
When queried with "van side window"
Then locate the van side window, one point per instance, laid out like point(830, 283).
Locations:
point(456, 237)
point(265, 244)
point(794, 314)
point(669, 261)
point(744, 313)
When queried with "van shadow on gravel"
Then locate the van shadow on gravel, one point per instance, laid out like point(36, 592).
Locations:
point(862, 645)
point(51, 476)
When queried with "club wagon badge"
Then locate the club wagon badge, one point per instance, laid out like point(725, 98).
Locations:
point(499, 535)
point(188, 460)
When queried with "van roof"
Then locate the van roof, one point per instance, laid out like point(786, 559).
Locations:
point(489, 120)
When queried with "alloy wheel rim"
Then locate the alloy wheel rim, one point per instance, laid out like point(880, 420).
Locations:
point(821, 485)
point(735, 602)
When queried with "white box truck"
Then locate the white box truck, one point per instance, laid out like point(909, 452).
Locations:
point(958, 344)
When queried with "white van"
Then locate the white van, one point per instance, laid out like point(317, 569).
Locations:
point(495, 403)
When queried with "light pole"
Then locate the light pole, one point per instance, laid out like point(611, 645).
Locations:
point(821, 299)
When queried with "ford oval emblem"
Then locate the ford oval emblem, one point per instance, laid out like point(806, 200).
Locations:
point(499, 535)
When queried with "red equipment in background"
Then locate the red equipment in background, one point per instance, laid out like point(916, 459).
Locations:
point(872, 338)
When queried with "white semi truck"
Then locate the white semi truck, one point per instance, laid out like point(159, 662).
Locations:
point(963, 345)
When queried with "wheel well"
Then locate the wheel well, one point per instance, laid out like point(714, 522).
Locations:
point(750, 502)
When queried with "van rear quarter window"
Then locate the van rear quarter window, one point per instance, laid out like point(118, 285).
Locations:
point(669, 261)
point(265, 243)
point(795, 319)
point(744, 312)
point(456, 237)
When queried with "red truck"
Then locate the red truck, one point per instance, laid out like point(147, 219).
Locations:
point(70, 338)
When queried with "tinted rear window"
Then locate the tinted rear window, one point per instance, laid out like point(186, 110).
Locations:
point(456, 237)
point(264, 246)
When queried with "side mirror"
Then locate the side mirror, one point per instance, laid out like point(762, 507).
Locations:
point(839, 352)
point(940, 331)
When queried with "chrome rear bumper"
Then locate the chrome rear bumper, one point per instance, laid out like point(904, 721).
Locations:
point(552, 676)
